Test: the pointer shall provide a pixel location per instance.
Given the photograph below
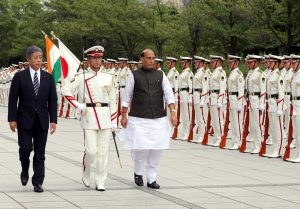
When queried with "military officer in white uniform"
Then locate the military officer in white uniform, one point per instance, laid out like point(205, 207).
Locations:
point(257, 92)
point(158, 64)
point(200, 85)
point(295, 87)
point(185, 94)
point(173, 77)
point(217, 86)
point(97, 103)
point(236, 86)
point(275, 95)
point(287, 60)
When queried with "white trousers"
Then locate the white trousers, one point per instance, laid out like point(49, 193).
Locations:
point(200, 121)
point(276, 129)
point(184, 121)
point(236, 121)
point(96, 144)
point(255, 127)
point(148, 159)
point(216, 121)
point(296, 134)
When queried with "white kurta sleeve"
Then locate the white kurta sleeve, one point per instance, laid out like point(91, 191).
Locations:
point(168, 92)
point(128, 92)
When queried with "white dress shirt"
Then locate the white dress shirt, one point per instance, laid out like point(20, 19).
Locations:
point(32, 72)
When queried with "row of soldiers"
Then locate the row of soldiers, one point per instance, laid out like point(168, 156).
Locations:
point(213, 108)
point(261, 108)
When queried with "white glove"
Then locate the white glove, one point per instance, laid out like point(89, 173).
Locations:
point(239, 108)
point(81, 107)
point(114, 126)
point(201, 104)
point(220, 105)
point(261, 107)
point(279, 112)
point(190, 99)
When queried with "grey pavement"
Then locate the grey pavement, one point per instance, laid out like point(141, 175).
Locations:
point(191, 176)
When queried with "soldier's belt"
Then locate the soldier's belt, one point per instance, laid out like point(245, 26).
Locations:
point(287, 93)
point(296, 98)
point(254, 93)
point(98, 104)
point(275, 96)
point(198, 89)
point(184, 89)
point(122, 86)
point(217, 91)
point(234, 93)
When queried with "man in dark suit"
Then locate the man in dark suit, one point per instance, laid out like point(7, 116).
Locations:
point(32, 102)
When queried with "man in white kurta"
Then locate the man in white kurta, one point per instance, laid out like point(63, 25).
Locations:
point(146, 131)
point(97, 105)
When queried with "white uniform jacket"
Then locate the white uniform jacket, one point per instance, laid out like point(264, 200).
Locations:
point(217, 86)
point(257, 85)
point(93, 87)
point(201, 85)
point(236, 86)
point(275, 86)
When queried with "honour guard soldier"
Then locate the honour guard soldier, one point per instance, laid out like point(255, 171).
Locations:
point(133, 65)
point(236, 86)
point(217, 86)
point(122, 77)
point(185, 94)
point(173, 77)
point(295, 89)
point(158, 64)
point(200, 85)
point(287, 60)
point(275, 95)
point(97, 104)
point(257, 93)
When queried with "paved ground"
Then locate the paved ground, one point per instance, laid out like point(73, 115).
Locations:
point(191, 176)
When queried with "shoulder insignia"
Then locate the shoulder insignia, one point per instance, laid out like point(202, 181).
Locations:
point(240, 80)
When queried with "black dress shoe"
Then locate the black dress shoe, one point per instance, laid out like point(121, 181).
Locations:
point(100, 189)
point(38, 188)
point(138, 179)
point(24, 179)
point(153, 185)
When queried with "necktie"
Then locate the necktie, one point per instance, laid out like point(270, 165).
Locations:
point(36, 84)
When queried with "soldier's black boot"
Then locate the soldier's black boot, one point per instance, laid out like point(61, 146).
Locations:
point(138, 179)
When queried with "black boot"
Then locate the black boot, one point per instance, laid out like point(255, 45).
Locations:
point(138, 179)
point(153, 185)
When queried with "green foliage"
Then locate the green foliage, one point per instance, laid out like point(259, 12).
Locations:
point(126, 27)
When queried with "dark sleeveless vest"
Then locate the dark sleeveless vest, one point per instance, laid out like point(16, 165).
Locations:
point(147, 100)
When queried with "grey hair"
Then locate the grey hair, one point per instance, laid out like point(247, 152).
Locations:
point(32, 49)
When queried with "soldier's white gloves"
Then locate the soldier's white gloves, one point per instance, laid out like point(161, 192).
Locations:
point(220, 105)
point(239, 108)
point(81, 107)
point(261, 107)
point(201, 104)
point(279, 112)
point(114, 126)
point(190, 99)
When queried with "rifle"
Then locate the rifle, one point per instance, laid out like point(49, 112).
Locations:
point(191, 134)
point(246, 128)
point(290, 136)
point(175, 132)
point(205, 138)
point(266, 133)
point(223, 139)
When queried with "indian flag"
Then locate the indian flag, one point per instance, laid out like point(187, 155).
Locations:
point(53, 59)
point(69, 62)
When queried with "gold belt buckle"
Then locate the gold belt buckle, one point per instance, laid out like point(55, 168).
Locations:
point(98, 104)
